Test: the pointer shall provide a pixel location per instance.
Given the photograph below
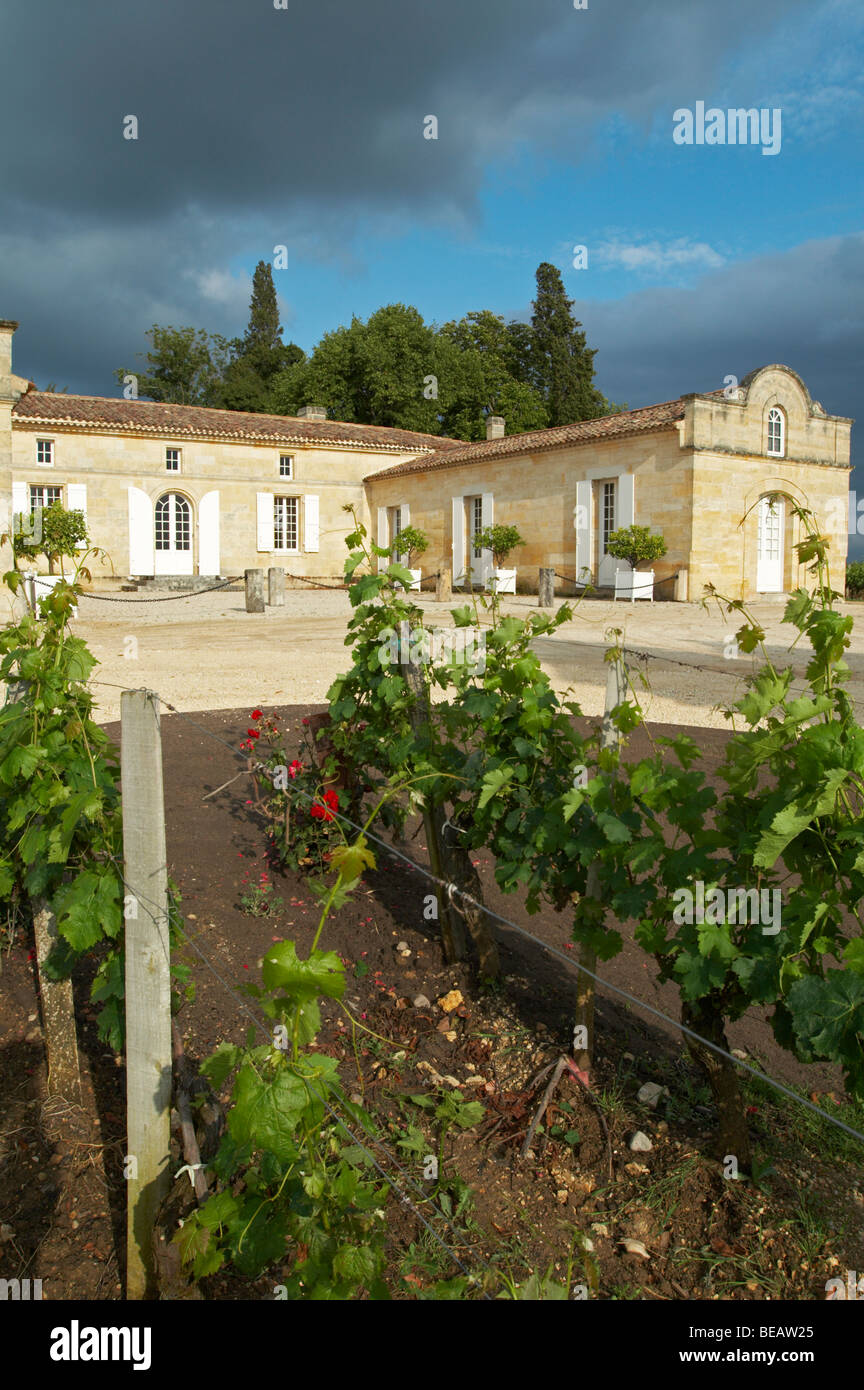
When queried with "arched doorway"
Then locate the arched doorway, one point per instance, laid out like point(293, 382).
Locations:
point(769, 544)
point(173, 535)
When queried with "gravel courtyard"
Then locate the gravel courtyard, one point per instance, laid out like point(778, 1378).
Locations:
point(205, 652)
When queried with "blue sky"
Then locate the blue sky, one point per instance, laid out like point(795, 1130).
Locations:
point(304, 128)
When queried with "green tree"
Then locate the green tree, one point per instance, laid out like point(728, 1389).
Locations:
point(184, 366)
point(259, 356)
point(50, 531)
point(500, 540)
point(636, 544)
point(487, 378)
point(411, 543)
point(391, 370)
point(560, 360)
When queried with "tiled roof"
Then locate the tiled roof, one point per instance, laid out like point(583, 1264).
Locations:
point(649, 417)
point(105, 413)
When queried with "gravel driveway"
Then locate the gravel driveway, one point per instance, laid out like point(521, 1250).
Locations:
point(206, 652)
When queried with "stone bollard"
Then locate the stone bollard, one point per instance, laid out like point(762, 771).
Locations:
point(276, 587)
point(254, 591)
point(443, 586)
point(546, 589)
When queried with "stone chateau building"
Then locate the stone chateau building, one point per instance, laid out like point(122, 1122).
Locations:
point(173, 490)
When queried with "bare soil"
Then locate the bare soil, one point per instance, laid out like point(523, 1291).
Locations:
point(62, 1192)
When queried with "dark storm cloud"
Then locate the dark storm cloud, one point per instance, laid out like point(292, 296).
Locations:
point(260, 126)
point(240, 104)
point(803, 308)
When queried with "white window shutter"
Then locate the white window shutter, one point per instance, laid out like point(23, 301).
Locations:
point(626, 501)
point(405, 515)
point(141, 538)
point(488, 519)
point(383, 534)
point(265, 520)
point(20, 498)
point(208, 534)
point(76, 497)
point(310, 522)
point(583, 528)
point(458, 540)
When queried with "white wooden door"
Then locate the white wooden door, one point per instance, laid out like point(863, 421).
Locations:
point(769, 552)
point(173, 540)
point(474, 523)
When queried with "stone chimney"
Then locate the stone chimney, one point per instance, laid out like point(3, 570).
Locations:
point(494, 426)
point(312, 412)
point(7, 328)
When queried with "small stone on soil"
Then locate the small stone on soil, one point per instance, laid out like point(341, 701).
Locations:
point(640, 1143)
point(650, 1094)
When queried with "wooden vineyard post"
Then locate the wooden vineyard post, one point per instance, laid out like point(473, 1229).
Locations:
point(583, 1049)
point(444, 586)
point(148, 988)
point(452, 929)
point(546, 589)
point(254, 591)
point(58, 1011)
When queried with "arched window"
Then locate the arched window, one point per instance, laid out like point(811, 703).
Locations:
point(776, 432)
point(173, 530)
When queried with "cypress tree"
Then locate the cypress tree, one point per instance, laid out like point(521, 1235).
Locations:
point(563, 364)
point(264, 332)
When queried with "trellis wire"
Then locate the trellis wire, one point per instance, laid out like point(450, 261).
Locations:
point(453, 889)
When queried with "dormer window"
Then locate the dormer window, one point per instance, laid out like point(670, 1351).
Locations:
point(776, 432)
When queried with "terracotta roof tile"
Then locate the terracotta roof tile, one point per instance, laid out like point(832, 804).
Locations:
point(107, 413)
point(648, 417)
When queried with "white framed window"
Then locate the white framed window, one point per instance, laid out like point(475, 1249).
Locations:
point(776, 432)
point(45, 453)
point(394, 521)
point(44, 496)
point(286, 465)
point(477, 523)
point(172, 460)
point(608, 516)
point(173, 522)
point(285, 530)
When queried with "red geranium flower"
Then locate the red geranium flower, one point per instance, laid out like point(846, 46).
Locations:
point(323, 810)
point(294, 768)
point(253, 733)
point(256, 714)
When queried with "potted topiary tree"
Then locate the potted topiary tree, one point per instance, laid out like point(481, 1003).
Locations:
point(409, 545)
point(501, 540)
point(54, 532)
point(635, 544)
